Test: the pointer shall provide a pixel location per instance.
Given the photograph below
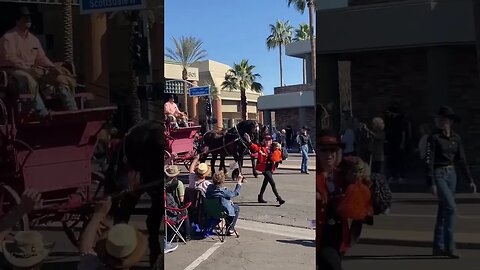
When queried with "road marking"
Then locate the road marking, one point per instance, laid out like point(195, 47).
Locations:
point(282, 230)
point(204, 256)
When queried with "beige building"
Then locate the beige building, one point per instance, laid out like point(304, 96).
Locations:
point(225, 103)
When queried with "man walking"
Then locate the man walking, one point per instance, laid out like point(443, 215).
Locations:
point(305, 142)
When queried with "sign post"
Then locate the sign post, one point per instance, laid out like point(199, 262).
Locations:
point(204, 91)
point(102, 6)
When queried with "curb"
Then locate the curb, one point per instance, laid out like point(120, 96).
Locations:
point(412, 243)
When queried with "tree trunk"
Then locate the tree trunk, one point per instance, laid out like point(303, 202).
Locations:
point(243, 103)
point(281, 67)
point(311, 14)
point(304, 70)
point(135, 109)
point(68, 32)
point(185, 90)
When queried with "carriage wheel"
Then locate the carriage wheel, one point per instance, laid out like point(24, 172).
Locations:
point(9, 198)
point(167, 157)
point(70, 228)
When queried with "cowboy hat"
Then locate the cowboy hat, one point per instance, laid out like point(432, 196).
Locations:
point(305, 128)
point(447, 112)
point(328, 139)
point(267, 137)
point(24, 11)
point(171, 170)
point(27, 249)
point(123, 247)
point(202, 169)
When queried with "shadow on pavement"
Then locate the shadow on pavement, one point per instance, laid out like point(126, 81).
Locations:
point(396, 257)
point(244, 204)
point(434, 201)
point(301, 242)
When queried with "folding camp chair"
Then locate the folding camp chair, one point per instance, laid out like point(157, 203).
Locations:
point(217, 219)
point(176, 224)
point(196, 211)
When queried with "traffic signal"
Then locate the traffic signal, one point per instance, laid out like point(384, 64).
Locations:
point(208, 108)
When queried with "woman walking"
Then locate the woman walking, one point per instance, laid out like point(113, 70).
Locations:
point(335, 203)
point(444, 148)
point(267, 158)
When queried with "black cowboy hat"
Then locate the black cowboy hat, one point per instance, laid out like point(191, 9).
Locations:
point(267, 137)
point(305, 128)
point(447, 112)
point(23, 11)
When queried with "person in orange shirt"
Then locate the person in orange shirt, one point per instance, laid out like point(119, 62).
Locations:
point(268, 156)
point(22, 53)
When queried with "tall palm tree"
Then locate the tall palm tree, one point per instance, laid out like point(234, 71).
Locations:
point(68, 32)
point(188, 50)
point(134, 106)
point(302, 33)
point(281, 35)
point(241, 77)
point(301, 5)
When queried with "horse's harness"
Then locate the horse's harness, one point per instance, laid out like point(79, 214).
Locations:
point(239, 138)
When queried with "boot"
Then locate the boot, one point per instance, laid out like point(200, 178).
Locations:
point(260, 199)
point(280, 200)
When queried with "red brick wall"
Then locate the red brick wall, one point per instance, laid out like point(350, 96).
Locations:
point(286, 117)
point(378, 78)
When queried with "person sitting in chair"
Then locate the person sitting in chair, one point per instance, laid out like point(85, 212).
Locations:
point(171, 111)
point(23, 56)
point(217, 191)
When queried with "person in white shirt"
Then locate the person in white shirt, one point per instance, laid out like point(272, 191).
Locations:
point(198, 173)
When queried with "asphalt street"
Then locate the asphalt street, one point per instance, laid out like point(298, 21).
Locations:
point(371, 257)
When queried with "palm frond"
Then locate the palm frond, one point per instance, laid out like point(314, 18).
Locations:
point(188, 50)
point(300, 5)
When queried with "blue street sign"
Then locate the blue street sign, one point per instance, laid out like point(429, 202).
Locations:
point(199, 91)
point(101, 6)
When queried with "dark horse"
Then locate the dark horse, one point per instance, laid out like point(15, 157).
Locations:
point(231, 143)
point(140, 150)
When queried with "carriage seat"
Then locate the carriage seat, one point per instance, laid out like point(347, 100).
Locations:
point(80, 98)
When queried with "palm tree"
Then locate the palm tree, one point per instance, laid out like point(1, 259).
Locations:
point(281, 35)
point(302, 33)
point(300, 5)
point(188, 50)
point(241, 77)
point(134, 108)
point(68, 32)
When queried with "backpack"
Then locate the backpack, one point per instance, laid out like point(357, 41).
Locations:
point(382, 195)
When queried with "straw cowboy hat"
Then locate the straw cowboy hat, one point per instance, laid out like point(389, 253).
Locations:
point(124, 246)
point(203, 169)
point(27, 249)
point(171, 170)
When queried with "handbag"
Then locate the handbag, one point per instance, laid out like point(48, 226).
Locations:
point(356, 203)
point(382, 195)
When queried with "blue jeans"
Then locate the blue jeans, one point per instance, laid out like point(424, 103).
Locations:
point(304, 167)
point(446, 181)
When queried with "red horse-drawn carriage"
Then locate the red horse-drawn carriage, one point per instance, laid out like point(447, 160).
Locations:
point(180, 144)
point(52, 156)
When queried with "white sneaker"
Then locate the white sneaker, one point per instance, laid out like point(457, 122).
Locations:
point(169, 247)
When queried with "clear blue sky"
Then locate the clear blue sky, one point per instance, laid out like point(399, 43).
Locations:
point(233, 29)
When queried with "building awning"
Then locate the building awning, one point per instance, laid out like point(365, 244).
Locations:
point(286, 101)
point(52, 2)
